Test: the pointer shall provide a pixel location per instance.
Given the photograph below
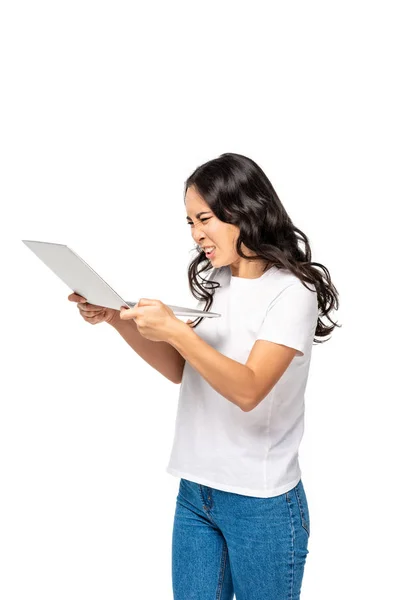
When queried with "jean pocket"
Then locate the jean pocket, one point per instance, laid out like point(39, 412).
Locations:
point(303, 506)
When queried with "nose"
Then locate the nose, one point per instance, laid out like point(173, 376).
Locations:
point(197, 233)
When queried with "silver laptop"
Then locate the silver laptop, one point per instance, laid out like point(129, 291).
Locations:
point(83, 280)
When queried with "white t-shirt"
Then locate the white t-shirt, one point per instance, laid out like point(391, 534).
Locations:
point(217, 444)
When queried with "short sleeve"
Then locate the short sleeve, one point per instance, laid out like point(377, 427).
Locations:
point(291, 318)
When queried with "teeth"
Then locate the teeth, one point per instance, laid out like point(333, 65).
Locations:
point(209, 248)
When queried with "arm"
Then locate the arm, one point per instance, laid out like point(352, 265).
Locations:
point(231, 379)
point(159, 355)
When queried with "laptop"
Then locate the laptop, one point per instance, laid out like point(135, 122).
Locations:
point(84, 280)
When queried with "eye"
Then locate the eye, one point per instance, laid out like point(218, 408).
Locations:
point(202, 220)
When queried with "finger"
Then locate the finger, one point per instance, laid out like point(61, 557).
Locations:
point(96, 320)
point(86, 309)
point(128, 313)
point(76, 298)
point(87, 306)
point(91, 313)
point(93, 319)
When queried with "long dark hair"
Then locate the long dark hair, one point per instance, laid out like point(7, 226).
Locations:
point(238, 192)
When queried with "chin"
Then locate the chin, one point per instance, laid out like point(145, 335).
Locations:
point(217, 263)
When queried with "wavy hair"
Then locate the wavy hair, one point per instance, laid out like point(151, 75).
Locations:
point(238, 192)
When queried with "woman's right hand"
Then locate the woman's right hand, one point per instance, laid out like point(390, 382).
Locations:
point(92, 313)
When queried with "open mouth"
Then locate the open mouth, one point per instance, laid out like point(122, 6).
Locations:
point(210, 253)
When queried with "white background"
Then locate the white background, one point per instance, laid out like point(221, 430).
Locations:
point(106, 108)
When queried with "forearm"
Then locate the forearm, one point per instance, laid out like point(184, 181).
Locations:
point(232, 379)
point(159, 355)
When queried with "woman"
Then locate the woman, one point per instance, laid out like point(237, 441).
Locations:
point(241, 523)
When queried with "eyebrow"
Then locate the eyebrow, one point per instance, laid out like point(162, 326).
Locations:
point(205, 212)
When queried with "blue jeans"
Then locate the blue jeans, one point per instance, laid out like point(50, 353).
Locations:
point(225, 543)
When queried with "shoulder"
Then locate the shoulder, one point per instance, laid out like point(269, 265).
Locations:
point(291, 294)
point(284, 281)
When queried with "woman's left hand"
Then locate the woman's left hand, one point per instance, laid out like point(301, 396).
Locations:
point(155, 320)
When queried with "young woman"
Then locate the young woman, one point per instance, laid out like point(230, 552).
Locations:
point(241, 523)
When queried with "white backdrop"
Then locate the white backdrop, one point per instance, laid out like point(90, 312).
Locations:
point(106, 108)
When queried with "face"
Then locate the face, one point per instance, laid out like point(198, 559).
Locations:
point(208, 230)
